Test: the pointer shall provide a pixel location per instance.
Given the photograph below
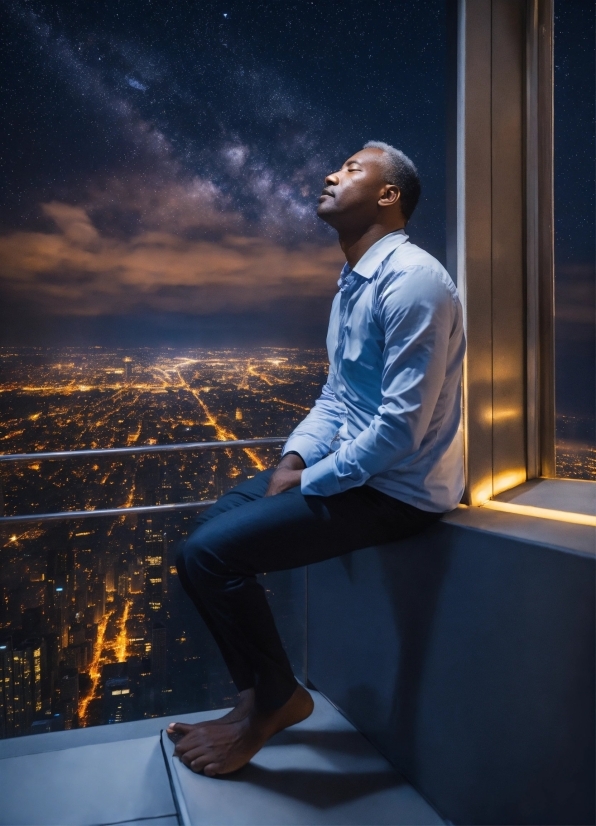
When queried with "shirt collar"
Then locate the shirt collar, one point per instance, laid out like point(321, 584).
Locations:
point(375, 255)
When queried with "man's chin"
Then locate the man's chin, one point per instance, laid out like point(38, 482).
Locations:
point(326, 211)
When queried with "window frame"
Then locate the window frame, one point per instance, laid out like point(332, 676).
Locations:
point(501, 236)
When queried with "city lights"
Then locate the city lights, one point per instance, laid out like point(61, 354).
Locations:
point(93, 626)
point(101, 599)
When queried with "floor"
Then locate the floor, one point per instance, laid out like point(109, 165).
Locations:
point(319, 772)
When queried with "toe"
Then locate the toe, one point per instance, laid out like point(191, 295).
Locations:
point(198, 764)
point(194, 754)
point(213, 769)
point(181, 728)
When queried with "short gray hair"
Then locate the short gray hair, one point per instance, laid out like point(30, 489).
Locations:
point(400, 171)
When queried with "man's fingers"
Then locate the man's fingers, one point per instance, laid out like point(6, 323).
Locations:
point(283, 479)
point(273, 486)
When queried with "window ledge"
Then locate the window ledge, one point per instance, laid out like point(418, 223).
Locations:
point(569, 495)
point(551, 533)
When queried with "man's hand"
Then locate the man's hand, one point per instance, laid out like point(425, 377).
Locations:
point(286, 475)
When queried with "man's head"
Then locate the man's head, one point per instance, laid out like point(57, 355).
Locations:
point(377, 185)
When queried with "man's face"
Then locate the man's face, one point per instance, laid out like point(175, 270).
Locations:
point(350, 199)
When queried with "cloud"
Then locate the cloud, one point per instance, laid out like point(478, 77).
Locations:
point(82, 270)
point(574, 300)
point(162, 203)
point(192, 216)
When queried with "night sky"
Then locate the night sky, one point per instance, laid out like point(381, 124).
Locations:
point(160, 165)
point(161, 162)
point(575, 205)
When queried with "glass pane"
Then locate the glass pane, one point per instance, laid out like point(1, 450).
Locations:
point(164, 279)
point(575, 307)
point(95, 627)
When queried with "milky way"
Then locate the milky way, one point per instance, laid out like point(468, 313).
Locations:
point(167, 160)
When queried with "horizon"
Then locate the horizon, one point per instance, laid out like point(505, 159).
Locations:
point(78, 374)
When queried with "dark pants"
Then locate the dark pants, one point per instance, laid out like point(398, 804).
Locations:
point(244, 534)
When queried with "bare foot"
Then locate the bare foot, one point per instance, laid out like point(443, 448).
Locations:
point(226, 747)
point(245, 704)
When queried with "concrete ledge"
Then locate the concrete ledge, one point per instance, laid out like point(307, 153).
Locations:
point(547, 533)
point(94, 735)
point(107, 783)
point(321, 771)
point(466, 655)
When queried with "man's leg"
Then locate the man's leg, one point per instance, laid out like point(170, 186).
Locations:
point(221, 560)
point(243, 493)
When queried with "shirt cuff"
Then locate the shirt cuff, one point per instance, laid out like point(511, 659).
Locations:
point(309, 450)
point(321, 478)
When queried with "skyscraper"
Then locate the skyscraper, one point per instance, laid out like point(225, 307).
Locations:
point(127, 369)
point(20, 685)
point(60, 586)
point(68, 688)
point(158, 652)
point(136, 575)
point(154, 548)
point(6, 689)
point(97, 598)
point(118, 698)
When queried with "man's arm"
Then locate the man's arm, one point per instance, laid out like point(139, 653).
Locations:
point(309, 441)
point(417, 314)
point(312, 438)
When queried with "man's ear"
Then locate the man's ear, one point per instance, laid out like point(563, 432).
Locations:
point(390, 196)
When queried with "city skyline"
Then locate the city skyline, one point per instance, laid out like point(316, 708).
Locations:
point(94, 627)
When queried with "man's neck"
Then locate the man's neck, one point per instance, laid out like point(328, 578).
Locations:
point(354, 245)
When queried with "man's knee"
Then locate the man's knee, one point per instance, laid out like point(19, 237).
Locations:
point(203, 557)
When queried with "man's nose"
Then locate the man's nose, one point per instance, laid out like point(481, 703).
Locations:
point(332, 179)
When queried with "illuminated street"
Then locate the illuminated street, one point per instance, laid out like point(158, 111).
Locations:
point(106, 588)
point(103, 593)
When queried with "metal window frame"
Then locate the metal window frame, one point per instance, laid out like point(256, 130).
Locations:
point(540, 238)
point(500, 236)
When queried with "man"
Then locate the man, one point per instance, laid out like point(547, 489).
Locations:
point(378, 457)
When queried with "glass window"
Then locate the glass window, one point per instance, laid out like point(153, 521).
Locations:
point(575, 309)
point(164, 279)
point(95, 627)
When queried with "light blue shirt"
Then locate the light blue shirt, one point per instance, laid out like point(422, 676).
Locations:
point(389, 414)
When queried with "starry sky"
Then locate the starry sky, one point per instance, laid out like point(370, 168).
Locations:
point(160, 162)
point(575, 212)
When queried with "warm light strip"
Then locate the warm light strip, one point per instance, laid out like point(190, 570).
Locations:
point(542, 513)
